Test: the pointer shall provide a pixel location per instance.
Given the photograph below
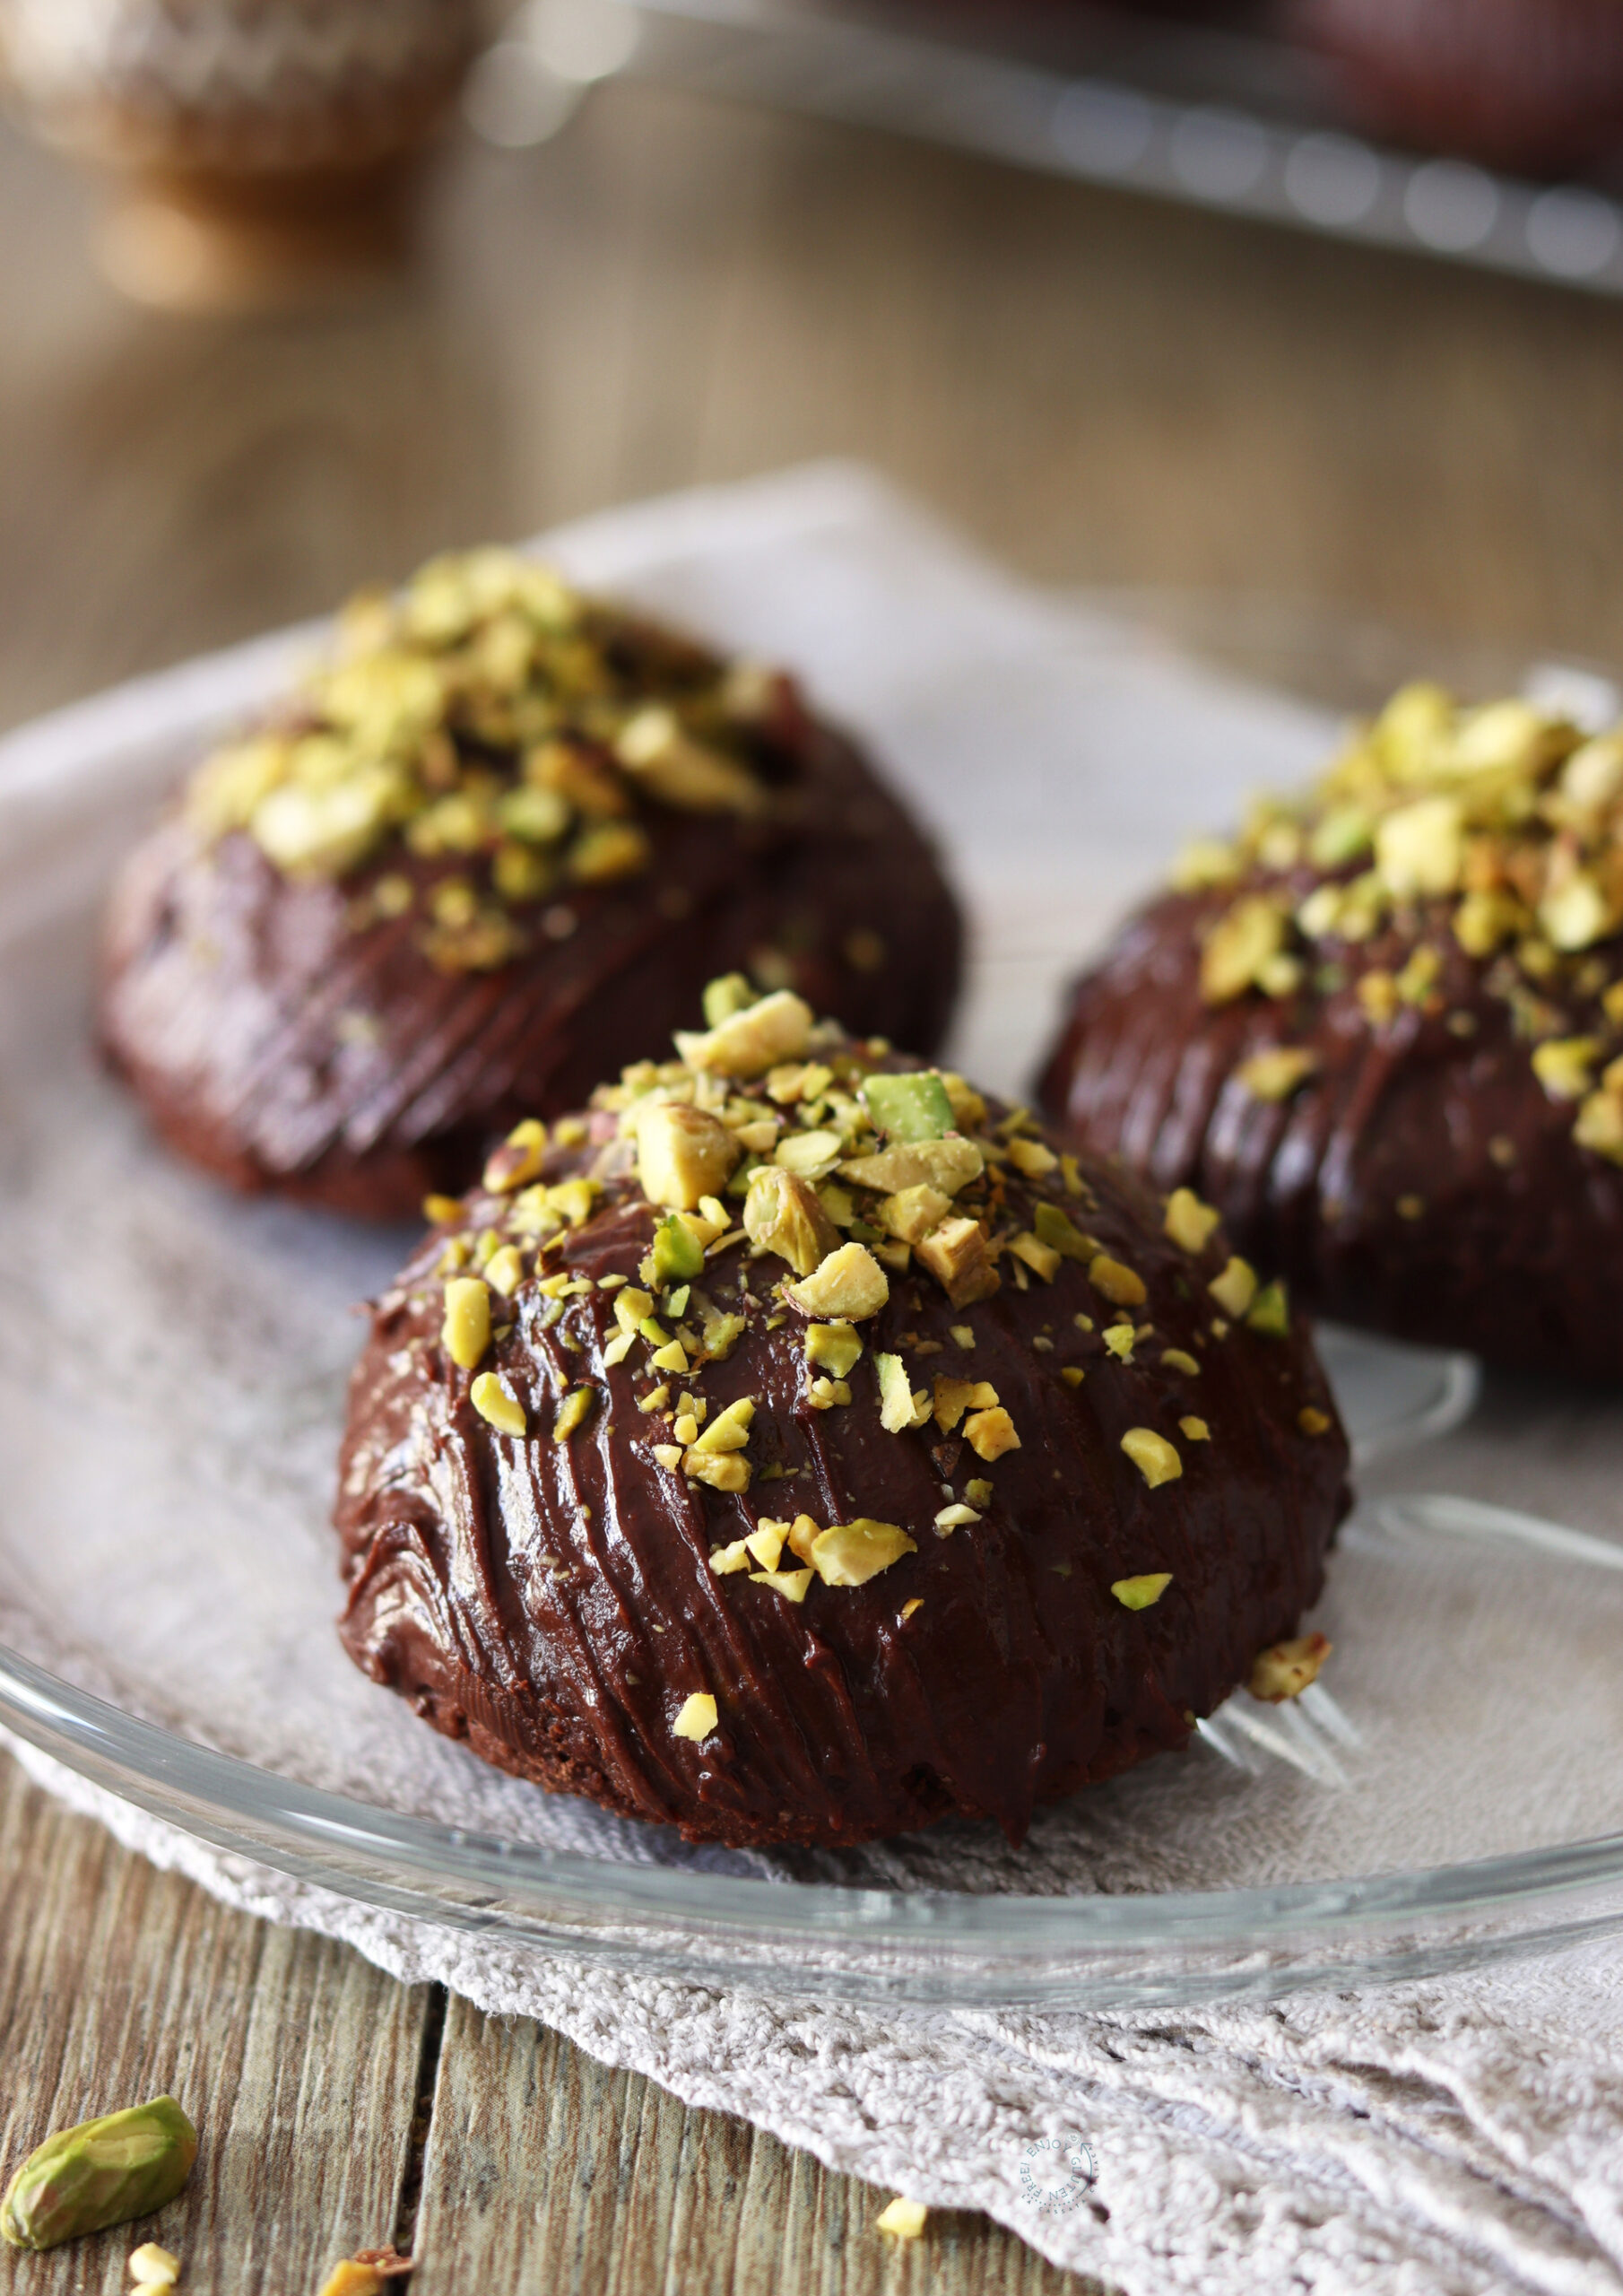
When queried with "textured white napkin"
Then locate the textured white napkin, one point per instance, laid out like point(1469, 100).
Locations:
point(1456, 2134)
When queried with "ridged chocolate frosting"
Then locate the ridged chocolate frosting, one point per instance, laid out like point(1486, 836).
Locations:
point(488, 854)
point(1023, 1497)
point(1383, 1032)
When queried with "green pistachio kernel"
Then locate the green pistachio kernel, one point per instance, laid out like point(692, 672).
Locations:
point(103, 2172)
point(833, 1348)
point(1061, 1233)
point(1269, 1312)
point(733, 993)
point(677, 1256)
point(909, 1108)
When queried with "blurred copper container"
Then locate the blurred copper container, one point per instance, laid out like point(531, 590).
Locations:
point(264, 147)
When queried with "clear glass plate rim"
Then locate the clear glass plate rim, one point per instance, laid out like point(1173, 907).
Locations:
point(292, 1828)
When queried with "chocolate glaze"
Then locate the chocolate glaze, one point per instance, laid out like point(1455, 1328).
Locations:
point(1510, 1235)
point(276, 1043)
point(554, 1604)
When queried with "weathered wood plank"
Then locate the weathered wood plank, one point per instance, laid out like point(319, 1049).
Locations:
point(296, 2060)
point(547, 2172)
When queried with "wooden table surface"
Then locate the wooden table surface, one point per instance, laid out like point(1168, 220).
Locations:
point(1100, 389)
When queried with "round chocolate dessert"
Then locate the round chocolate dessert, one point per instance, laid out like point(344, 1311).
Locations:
point(487, 853)
point(797, 1448)
point(1383, 1032)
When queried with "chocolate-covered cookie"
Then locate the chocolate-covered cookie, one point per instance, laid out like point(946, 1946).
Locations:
point(486, 855)
point(1383, 1032)
point(797, 1448)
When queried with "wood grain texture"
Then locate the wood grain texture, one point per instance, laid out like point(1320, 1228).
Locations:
point(296, 2059)
point(546, 2172)
point(1101, 389)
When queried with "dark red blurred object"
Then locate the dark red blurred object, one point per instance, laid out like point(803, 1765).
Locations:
point(1528, 85)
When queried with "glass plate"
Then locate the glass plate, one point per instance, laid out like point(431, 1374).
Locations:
point(171, 1367)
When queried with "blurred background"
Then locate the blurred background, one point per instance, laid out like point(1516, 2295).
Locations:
point(1306, 314)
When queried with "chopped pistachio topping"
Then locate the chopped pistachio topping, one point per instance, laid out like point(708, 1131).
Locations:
point(682, 1156)
point(901, 1405)
point(849, 1285)
point(1270, 1311)
point(792, 1585)
point(466, 1329)
point(1119, 1283)
point(1176, 1359)
point(1140, 1593)
point(834, 1348)
point(1492, 833)
point(1189, 1222)
point(851, 1553)
point(573, 1409)
point(492, 1402)
point(1314, 1421)
point(990, 1433)
point(151, 2266)
point(518, 1158)
point(747, 1043)
point(1156, 1459)
point(729, 1431)
point(909, 1108)
point(1285, 1670)
point(1195, 1429)
point(949, 1165)
point(491, 715)
point(904, 2219)
point(1275, 1074)
point(782, 1214)
point(697, 1717)
point(1236, 1288)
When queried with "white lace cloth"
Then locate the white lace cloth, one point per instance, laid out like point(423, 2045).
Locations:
point(1459, 2135)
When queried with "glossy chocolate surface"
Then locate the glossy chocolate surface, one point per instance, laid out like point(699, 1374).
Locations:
point(555, 1603)
point(280, 1044)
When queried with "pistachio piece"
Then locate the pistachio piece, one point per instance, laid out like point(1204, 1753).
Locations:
point(949, 1165)
point(1059, 1231)
point(678, 770)
point(1276, 1072)
point(1122, 1285)
point(151, 2266)
point(1236, 1288)
point(913, 1212)
point(791, 1584)
point(1270, 1311)
point(1238, 946)
point(900, 1407)
point(1419, 849)
point(904, 2219)
point(729, 1431)
point(747, 1043)
point(1562, 1066)
point(571, 1412)
point(466, 1332)
point(957, 1254)
point(849, 1285)
point(1189, 1222)
point(833, 1348)
point(1285, 1669)
point(1041, 1258)
point(493, 1404)
point(519, 1159)
point(990, 1433)
point(676, 1255)
point(1156, 1459)
point(911, 1108)
point(782, 1214)
point(1032, 1157)
point(682, 1154)
point(849, 1554)
point(696, 1717)
point(1139, 1592)
point(809, 1155)
point(102, 2172)
point(954, 1398)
